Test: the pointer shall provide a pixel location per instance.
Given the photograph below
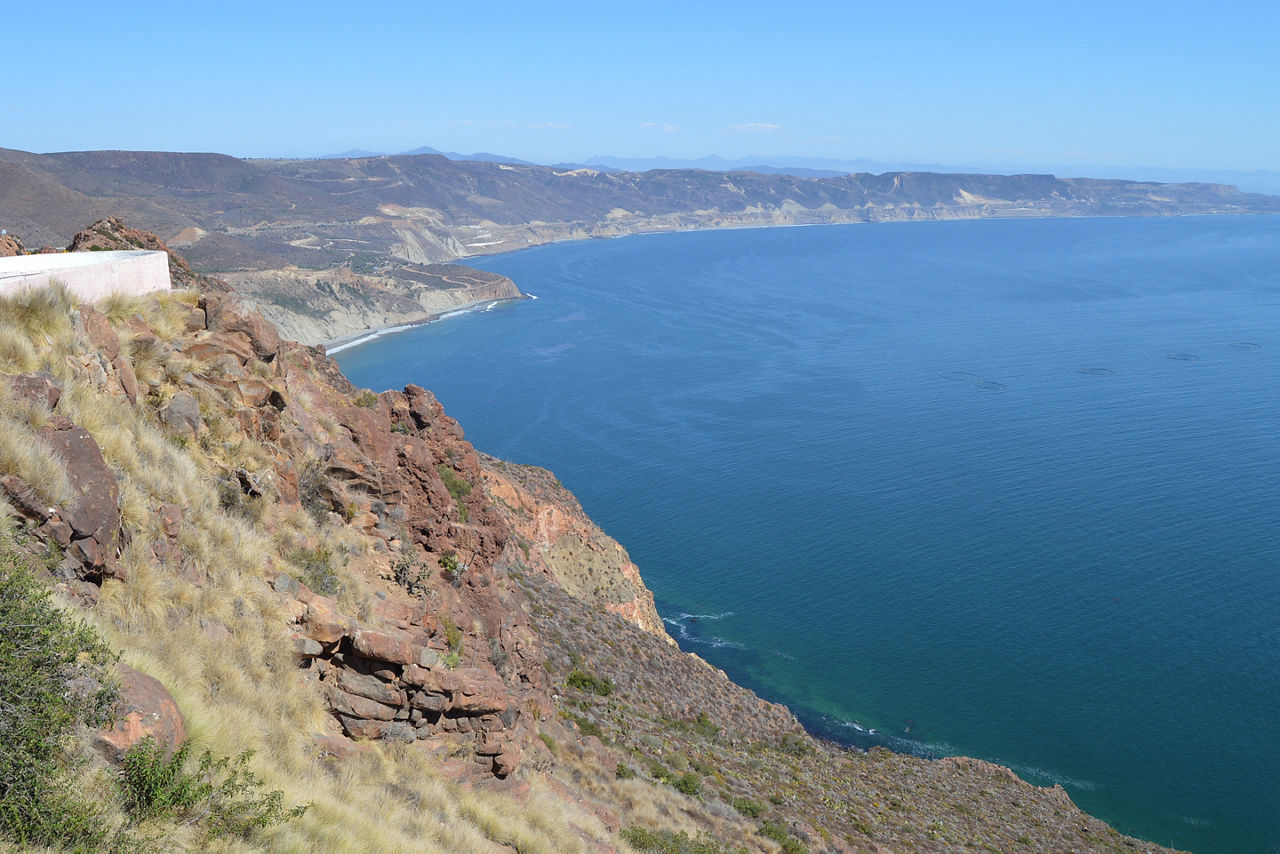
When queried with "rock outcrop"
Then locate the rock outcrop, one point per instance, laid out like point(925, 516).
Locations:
point(112, 234)
point(10, 245)
point(146, 710)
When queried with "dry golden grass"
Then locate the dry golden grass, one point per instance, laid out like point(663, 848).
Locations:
point(119, 307)
point(208, 625)
point(25, 454)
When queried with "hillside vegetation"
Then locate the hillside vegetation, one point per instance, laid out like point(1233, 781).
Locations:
point(382, 640)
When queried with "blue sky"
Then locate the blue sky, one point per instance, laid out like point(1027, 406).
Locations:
point(1155, 84)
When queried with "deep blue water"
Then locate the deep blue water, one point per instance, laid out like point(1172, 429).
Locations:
point(868, 458)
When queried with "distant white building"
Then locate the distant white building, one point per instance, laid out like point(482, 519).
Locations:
point(89, 275)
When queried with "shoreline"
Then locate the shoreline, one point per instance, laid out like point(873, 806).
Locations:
point(364, 336)
point(355, 339)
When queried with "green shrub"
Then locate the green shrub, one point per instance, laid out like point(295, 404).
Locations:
point(313, 490)
point(53, 677)
point(668, 842)
point(220, 795)
point(584, 681)
point(625, 772)
point(457, 487)
point(688, 783)
point(704, 727)
point(367, 399)
point(777, 831)
point(747, 807)
point(315, 566)
point(585, 726)
point(452, 634)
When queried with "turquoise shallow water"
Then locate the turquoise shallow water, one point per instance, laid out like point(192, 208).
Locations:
point(1001, 488)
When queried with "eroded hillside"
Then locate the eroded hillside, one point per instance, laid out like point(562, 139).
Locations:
point(327, 248)
point(434, 649)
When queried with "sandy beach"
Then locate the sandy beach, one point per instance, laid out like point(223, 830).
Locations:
point(346, 342)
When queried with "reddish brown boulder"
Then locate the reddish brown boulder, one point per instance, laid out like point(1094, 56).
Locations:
point(480, 693)
point(435, 679)
point(128, 379)
point(323, 622)
point(182, 414)
point(356, 706)
point(95, 515)
point(38, 389)
point(218, 344)
point(370, 687)
point(98, 332)
point(230, 313)
point(171, 520)
point(10, 245)
point(508, 761)
point(392, 645)
point(146, 709)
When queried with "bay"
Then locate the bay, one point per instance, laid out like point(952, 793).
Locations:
point(1000, 488)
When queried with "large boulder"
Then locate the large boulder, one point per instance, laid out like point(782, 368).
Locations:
point(10, 245)
point(146, 709)
point(95, 516)
point(230, 313)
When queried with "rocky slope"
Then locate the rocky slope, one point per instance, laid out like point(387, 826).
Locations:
point(329, 247)
point(435, 648)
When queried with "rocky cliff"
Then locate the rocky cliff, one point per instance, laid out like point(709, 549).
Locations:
point(437, 649)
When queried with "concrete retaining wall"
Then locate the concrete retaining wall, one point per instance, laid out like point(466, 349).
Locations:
point(91, 276)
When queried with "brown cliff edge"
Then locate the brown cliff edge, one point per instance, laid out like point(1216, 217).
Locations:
point(233, 496)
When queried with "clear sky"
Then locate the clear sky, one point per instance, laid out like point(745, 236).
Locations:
point(1108, 83)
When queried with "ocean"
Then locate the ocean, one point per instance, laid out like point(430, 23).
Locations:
point(1003, 488)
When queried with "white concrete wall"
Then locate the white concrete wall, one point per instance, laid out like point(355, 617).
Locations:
point(89, 275)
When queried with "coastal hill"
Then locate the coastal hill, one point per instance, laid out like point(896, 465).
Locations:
point(385, 639)
point(329, 247)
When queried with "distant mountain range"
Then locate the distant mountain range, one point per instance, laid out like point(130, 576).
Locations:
point(480, 156)
point(1256, 181)
point(269, 224)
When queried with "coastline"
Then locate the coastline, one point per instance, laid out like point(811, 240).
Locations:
point(355, 339)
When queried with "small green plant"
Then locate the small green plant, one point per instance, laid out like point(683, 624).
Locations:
point(669, 842)
point(221, 795)
point(409, 575)
point(777, 831)
point(747, 807)
point(625, 772)
point(550, 743)
point(315, 568)
point(313, 490)
point(703, 726)
point(585, 726)
point(401, 427)
point(53, 677)
point(688, 783)
point(367, 399)
point(452, 634)
point(589, 683)
point(457, 487)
